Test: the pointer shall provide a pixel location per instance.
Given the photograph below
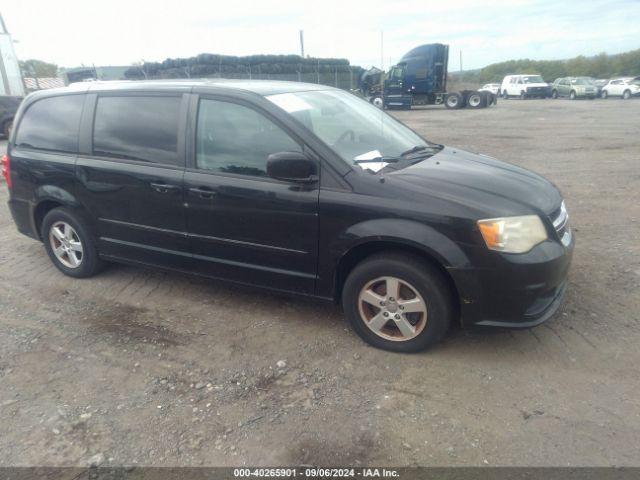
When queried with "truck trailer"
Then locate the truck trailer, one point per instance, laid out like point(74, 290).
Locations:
point(420, 78)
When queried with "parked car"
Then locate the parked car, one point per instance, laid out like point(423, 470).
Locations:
point(626, 88)
point(491, 87)
point(573, 88)
point(294, 187)
point(524, 86)
point(599, 83)
point(8, 107)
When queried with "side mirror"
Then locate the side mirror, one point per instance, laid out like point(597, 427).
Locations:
point(292, 167)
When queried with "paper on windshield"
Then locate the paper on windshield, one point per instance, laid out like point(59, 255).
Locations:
point(373, 166)
point(289, 102)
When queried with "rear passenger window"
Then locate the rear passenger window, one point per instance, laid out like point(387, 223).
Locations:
point(51, 124)
point(231, 138)
point(137, 128)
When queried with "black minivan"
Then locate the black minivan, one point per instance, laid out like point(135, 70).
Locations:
point(294, 187)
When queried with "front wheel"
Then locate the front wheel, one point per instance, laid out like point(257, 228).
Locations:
point(604, 94)
point(505, 95)
point(554, 94)
point(397, 302)
point(69, 243)
point(572, 95)
point(523, 95)
point(377, 102)
point(626, 95)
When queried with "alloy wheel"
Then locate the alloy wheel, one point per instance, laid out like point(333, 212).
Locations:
point(392, 309)
point(66, 244)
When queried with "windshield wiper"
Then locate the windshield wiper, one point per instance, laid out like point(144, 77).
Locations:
point(417, 148)
point(379, 159)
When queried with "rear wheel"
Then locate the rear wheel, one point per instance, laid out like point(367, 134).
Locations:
point(69, 243)
point(397, 302)
point(626, 95)
point(476, 100)
point(505, 95)
point(604, 94)
point(453, 101)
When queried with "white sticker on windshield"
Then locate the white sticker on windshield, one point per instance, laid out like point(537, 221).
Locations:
point(289, 102)
point(373, 166)
point(369, 155)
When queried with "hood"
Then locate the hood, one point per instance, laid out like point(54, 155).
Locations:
point(480, 182)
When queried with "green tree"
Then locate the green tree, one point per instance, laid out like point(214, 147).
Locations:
point(38, 68)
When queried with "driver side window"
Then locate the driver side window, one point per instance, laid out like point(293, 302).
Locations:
point(232, 138)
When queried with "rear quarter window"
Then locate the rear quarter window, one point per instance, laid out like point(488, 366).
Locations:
point(51, 124)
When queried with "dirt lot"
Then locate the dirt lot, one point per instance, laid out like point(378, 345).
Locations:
point(141, 367)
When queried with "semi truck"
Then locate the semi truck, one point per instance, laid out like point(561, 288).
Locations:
point(420, 78)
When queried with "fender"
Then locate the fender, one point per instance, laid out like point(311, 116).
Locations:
point(400, 232)
point(49, 193)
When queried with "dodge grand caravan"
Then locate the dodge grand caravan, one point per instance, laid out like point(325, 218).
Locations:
point(294, 187)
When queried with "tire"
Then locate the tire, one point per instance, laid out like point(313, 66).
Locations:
point(476, 100)
point(505, 95)
point(6, 128)
point(377, 102)
point(554, 94)
point(523, 95)
point(626, 95)
point(416, 277)
point(604, 95)
point(453, 101)
point(572, 95)
point(88, 262)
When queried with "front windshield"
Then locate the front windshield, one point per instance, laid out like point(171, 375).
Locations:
point(532, 79)
point(355, 129)
point(581, 81)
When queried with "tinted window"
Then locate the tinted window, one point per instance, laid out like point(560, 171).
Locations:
point(137, 128)
point(52, 124)
point(232, 138)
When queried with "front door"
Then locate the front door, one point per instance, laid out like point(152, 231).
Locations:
point(242, 225)
point(129, 176)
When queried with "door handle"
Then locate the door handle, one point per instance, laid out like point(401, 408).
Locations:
point(164, 187)
point(203, 192)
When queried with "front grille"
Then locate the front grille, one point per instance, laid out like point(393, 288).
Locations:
point(560, 220)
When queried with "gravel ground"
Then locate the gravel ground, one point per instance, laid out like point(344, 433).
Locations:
point(147, 368)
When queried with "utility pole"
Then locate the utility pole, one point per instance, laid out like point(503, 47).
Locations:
point(302, 43)
point(381, 50)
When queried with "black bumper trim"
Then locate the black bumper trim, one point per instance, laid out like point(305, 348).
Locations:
point(546, 315)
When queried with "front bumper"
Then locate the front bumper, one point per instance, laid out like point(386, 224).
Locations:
point(538, 92)
point(515, 291)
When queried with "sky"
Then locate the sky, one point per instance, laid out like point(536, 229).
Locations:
point(116, 32)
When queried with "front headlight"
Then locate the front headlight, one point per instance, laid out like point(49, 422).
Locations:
point(513, 234)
